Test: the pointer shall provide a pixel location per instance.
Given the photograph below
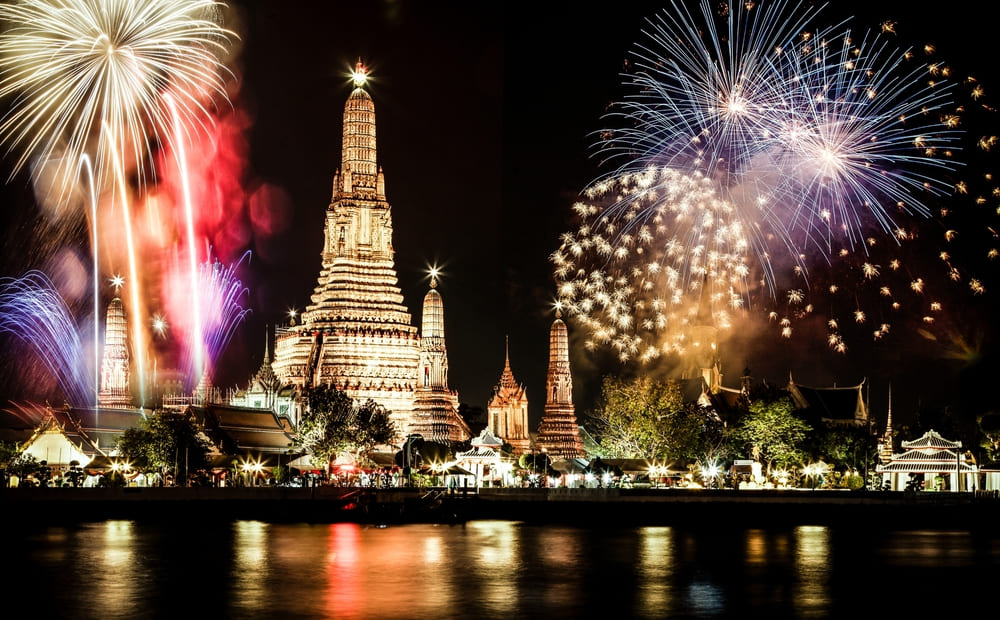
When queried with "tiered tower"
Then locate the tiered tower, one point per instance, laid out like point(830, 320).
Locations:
point(507, 411)
point(435, 407)
point(559, 434)
point(356, 334)
point(703, 348)
point(885, 450)
point(115, 391)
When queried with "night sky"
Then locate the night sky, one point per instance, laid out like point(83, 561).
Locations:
point(485, 118)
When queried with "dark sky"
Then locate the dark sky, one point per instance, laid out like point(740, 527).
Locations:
point(485, 113)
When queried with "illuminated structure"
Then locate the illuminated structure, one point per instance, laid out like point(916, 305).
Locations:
point(265, 391)
point(937, 462)
point(703, 353)
point(357, 335)
point(885, 443)
point(559, 434)
point(507, 411)
point(115, 391)
point(435, 407)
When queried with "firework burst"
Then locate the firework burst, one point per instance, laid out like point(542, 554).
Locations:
point(87, 77)
point(770, 168)
point(32, 310)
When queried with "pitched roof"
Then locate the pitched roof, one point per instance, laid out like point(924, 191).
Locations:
point(930, 453)
point(833, 404)
point(931, 439)
point(249, 428)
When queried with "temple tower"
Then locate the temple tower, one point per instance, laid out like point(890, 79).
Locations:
point(885, 450)
point(356, 335)
point(435, 407)
point(703, 348)
point(115, 390)
point(559, 433)
point(507, 411)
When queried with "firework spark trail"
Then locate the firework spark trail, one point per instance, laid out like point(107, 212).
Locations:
point(220, 314)
point(88, 172)
point(820, 149)
point(72, 67)
point(108, 81)
point(199, 361)
point(32, 310)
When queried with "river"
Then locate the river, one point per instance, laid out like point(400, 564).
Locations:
point(195, 568)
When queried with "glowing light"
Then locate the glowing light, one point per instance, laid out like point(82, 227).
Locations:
point(758, 152)
point(82, 71)
point(359, 75)
point(33, 311)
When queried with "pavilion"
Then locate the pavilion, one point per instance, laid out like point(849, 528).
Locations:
point(939, 462)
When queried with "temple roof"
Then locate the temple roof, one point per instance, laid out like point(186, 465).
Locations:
point(931, 453)
point(487, 439)
point(931, 439)
point(249, 428)
point(837, 404)
point(507, 390)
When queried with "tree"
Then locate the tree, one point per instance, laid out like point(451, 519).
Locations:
point(335, 423)
point(631, 417)
point(851, 446)
point(989, 428)
point(14, 461)
point(772, 427)
point(165, 441)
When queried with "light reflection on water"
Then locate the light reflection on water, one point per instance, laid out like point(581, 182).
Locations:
point(490, 569)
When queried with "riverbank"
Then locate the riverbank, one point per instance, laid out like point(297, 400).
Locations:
point(567, 506)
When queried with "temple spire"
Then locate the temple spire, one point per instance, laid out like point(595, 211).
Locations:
point(559, 433)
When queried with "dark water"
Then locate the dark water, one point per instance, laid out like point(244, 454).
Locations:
point(494, 569)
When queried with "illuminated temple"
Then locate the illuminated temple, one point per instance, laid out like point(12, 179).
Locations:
point(507, 411)
point(115, 391)
point(357, 335)
point(435, 407)
point(559, 433)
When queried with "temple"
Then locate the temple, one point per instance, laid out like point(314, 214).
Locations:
point(507, 411)
point(115, 391)
point(357, 334)
point(435, 407)
point(559, 433)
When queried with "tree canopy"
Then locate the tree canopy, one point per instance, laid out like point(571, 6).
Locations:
point(645, 417)
point(164, 441)
point(772, 428)
point(335, 423)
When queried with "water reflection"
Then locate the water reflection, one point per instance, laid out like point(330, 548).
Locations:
point(491, 569)
point(811, 596)
point(654, 574)
point(496, 546)
point(250, 563)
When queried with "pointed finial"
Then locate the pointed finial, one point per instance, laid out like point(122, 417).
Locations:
point(117, 281)
point(360, 75)
point(433, 271)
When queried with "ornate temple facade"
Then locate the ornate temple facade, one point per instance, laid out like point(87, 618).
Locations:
point(703, 348)
point(356, 334)
point(435, 407)
point(115, 391)
point(507, 410)
point(559, 433)
point(265, 391)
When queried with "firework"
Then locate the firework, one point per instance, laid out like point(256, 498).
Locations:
point(765, 166)
point(88, 77)
point(32, 310)
point(221, 312)
point(107, 83)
